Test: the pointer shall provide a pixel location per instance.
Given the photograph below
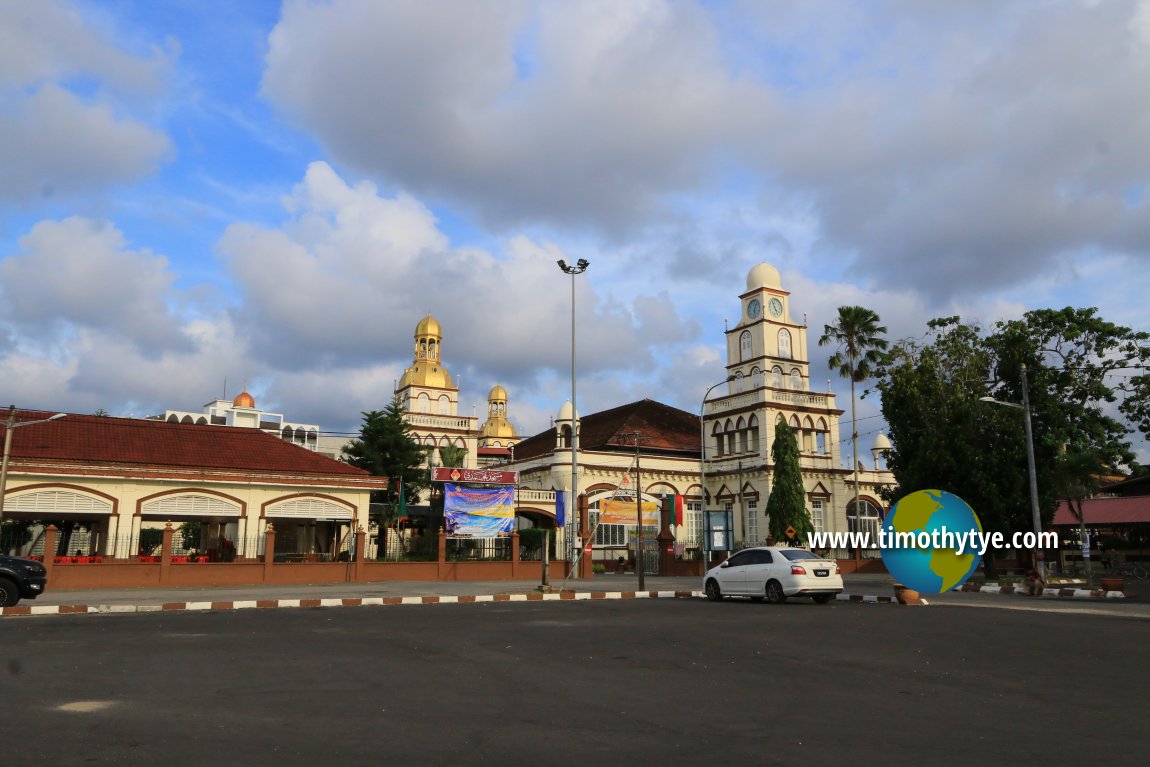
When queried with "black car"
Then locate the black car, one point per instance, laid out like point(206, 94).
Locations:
point(20, 578)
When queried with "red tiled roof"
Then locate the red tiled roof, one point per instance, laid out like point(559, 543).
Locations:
point(663, 429)
point(1108, 511)
point(130, 441)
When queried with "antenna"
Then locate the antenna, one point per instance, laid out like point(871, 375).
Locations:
point(225, 395)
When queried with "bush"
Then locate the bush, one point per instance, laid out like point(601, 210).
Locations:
point(598, 568)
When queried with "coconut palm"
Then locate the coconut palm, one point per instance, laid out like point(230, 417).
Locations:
point(858, 336)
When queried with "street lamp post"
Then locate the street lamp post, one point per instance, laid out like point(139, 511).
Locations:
point(1035, 518)
point(703, 550)
point(11, 426)
point(573, 517)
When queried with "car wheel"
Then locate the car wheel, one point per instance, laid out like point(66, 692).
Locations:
point(822, 599)
point(9, 594)
point(775, 593)
point(714, 593)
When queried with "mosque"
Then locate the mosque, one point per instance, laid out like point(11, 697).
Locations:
point(720, 457)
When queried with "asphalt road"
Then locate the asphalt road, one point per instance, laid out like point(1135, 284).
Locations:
point(635, 682)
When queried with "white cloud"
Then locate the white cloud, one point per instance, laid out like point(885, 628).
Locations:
point(67, 124)
point(78, 273)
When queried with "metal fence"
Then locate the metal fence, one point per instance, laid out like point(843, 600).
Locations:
point(391, 545)
point(485, 549)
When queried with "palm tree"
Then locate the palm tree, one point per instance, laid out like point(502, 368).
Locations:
point(453, 455)
point(858, 336)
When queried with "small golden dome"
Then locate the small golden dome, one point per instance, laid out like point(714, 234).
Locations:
point(243, 399)
point(428, 326)
point(497, 394)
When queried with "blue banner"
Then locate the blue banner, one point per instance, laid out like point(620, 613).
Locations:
point(560, 508)
point(482, 512)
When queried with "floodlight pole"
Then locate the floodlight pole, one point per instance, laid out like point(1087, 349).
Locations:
point(573, 516)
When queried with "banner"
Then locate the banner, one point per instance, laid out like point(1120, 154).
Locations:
point(613, 512)
point(482, 512)
point(560, 507)
point(474, 476)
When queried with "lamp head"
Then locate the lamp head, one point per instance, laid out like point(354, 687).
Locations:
point(583, 263)
point(562, 264)
point(987, 399)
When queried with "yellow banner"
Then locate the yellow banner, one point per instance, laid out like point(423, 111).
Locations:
point(623, 513)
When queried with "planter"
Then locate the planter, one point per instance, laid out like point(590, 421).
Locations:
point(906, 596)
point(1113, 584)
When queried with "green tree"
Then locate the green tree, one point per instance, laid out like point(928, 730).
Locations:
point(858, 337)
point(386, 448)
point(452, 455)
point(787, 506)
point(943, 437)
point(1080, 388)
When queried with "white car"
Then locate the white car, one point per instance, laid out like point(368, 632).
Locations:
point(774, 573)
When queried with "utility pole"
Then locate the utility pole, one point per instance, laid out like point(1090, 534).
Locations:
point(640, 561)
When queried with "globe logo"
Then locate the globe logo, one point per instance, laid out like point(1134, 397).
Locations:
point(929, 541)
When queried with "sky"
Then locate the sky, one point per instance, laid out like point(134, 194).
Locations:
point(195, 195)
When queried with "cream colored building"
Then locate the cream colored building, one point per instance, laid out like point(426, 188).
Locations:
point(768, 365)
point(111, 479)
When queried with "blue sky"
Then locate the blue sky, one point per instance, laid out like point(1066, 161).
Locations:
point(277, 193)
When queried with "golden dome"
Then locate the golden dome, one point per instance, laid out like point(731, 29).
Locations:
point(428, 326)
point(497, 393)
point(243, 399)
point(425, 373)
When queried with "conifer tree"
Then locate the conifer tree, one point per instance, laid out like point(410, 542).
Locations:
point(787, 506)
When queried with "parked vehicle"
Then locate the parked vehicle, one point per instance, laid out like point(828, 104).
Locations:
point(774, 573)
point(20, 578)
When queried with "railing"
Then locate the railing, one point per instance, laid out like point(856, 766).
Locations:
point(439, 421)
point(763, 396)
point(401, 546)
point(485, 549)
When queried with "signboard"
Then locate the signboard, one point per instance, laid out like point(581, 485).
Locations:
point(474, 476)
point(718, 530)
point(482, 512)
point(615, 512)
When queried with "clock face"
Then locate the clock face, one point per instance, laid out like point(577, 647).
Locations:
point(753, 308)
point(776, 307)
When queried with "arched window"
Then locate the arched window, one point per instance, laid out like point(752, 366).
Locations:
point(741, 429)
point(756, 378)
point(777, 377)
point(717, 434)
point(565, 435)
point(753, 433)
point(423, 404)
point(785, 344)
point(822, 443)
point(729, 430)
point(740, 382)
point(444, 405)
point(745, 346)
point(808, 442)
point(864, 516)
point(796, 380)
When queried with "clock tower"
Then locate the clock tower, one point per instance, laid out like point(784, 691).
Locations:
point(767, 347)
point(769, 371)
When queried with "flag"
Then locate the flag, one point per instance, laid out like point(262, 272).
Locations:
point(561, 508)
